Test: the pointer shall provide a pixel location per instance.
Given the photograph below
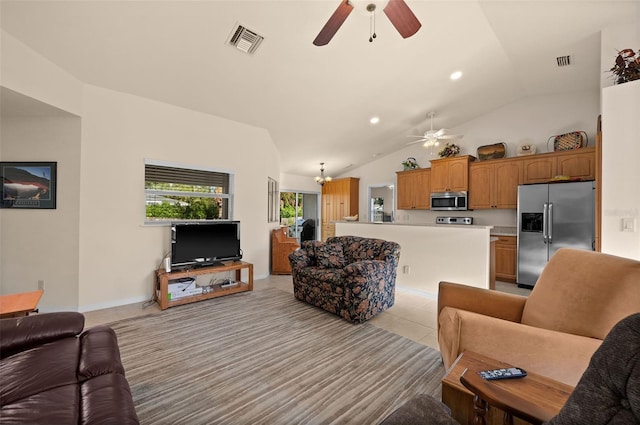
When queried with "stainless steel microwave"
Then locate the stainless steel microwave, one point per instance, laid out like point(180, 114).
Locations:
point(449, 201)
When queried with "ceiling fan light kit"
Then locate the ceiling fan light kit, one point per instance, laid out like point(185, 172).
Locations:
point(400, 15)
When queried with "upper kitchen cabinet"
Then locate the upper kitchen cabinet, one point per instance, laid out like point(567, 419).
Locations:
point(494, 184)
point(413, 189)
point(450, 174)
point(575, 163)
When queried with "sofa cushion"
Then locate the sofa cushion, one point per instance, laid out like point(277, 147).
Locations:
point(58, 405)
point(584, 293)
point(330, 256)
point(310, 248)
point(357, 248)
point(318, 276)
point(39, 369)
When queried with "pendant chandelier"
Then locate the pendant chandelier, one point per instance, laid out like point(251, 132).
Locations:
point(322, 179)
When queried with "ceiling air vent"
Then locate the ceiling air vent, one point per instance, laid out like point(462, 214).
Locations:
point(244, 39)
point(564, 60)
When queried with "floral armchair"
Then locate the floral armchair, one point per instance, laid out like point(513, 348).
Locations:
point(351, 276)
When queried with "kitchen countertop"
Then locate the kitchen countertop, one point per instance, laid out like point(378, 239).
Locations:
point(504, 231)
point(495, 230)
point(386, 223)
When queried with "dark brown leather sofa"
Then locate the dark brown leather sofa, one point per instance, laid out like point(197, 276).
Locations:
point(53, 372)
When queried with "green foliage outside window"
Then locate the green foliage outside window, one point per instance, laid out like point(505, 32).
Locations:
point(288, 205)
point(186, 208)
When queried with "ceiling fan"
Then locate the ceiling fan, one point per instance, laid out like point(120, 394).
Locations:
point(431, 138)
point(397, 11)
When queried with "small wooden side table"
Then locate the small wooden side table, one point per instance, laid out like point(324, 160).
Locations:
point(534, 398)
point(16, 305)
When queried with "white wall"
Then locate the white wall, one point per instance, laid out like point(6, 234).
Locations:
point(458, 254)
point(94, 251)
point(43, 244)
point(620, 172)
point(531, 120)
point(612, 40)
point(118, 253)
point(25, 71)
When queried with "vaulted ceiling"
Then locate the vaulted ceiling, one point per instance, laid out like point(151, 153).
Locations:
point(316, 102)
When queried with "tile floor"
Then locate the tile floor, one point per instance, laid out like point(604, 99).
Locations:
point(412, 316)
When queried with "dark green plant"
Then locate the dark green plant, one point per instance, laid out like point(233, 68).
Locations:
point(627, 66)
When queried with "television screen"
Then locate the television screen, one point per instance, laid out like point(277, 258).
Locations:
point(204, 243)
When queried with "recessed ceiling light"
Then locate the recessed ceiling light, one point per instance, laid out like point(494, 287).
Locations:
point(456, 75)
point(374, 120)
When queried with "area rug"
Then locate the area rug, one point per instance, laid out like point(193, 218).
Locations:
point(263, 357)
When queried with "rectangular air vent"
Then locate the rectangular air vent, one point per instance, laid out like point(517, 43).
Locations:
point(564, 60)
point(244, 39)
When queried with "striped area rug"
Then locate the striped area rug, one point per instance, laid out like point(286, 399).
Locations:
point(263, 357)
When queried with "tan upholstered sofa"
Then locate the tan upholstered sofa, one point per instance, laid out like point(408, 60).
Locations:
point(578, 298)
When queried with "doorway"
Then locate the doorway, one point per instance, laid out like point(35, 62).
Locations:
point(295, 209)
point(381, 202)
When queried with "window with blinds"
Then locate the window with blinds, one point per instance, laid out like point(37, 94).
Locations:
point(181, 192)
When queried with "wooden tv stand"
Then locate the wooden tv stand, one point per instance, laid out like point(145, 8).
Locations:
point(163, 278)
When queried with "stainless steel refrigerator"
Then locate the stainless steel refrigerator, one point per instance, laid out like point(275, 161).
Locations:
point(550, 217)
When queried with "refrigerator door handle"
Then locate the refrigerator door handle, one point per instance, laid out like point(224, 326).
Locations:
point(550, 224)
point(545, 213)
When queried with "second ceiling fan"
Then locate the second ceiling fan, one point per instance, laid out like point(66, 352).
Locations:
point(397, 11)
point(432, 137)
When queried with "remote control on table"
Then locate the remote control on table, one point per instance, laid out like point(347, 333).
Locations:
point(505, 373)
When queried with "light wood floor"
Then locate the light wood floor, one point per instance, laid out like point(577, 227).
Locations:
point(412, 316)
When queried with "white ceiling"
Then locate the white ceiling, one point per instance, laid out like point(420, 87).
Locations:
point(316, 101)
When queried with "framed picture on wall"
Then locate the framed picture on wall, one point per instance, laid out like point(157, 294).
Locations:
point(28, 185)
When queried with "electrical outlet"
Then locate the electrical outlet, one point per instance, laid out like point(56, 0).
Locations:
point(41, 284)
point(628, 224)
point(406, 269)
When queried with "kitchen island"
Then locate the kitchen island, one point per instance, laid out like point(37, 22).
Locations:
point(431, 253)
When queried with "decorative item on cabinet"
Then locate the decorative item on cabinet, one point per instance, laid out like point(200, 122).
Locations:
point(410, 164)
point(526, 149)
point(495, 151)
point(627, 66)
point(449, 150)
point(569, 141)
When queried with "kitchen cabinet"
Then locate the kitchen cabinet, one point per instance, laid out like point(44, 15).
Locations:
point(506, 258)
point(575, 163)
point(413, 189)
point(450, 174)
point(579, 164)
point(339, 200)
point(494, 184)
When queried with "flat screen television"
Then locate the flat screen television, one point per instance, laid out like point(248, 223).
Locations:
point(204, 243)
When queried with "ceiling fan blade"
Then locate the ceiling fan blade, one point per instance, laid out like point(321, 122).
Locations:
point(334, 23)
point(444, 133)
point(402, 18)
point(417, 141)
point(450, 136)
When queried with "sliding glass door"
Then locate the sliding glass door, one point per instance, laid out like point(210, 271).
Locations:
point(295, 209)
